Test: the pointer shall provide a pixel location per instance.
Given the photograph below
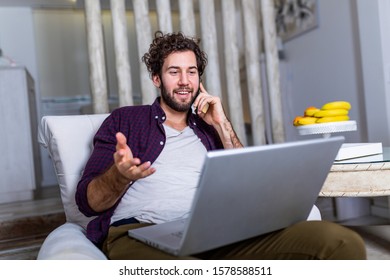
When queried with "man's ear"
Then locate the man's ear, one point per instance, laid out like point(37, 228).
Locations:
point(156, 81)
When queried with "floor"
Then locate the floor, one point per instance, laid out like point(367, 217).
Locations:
point(24, 226)
point(377, 246)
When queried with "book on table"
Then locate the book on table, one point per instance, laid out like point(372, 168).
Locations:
point(356, 150)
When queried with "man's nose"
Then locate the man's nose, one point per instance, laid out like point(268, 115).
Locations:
point(183, 79)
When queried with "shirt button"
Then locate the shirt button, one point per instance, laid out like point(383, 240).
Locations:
point(194, 123)
point(163, 118)
point(156, 117)
point(161, 143)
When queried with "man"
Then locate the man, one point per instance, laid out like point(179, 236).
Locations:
point(146, 162)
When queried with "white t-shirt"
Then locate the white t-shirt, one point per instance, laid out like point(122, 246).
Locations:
point(167, 194)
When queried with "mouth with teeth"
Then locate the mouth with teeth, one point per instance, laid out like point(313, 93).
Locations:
point(183, 94)
point(183, 91)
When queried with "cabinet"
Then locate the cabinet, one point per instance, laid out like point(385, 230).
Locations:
point(19, 149)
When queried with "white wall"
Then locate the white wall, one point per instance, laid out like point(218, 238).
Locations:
point(375, 49)
point(17, 38)
point(61, 52)
point(323, 65)
point(346, 58)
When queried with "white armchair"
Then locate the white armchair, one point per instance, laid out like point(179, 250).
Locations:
point(69, 143)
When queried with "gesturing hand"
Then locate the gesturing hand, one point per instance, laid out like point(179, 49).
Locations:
point(127, 165)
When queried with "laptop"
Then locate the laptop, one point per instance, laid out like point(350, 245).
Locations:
point(243, 193)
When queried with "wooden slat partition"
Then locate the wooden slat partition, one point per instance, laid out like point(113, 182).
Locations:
point(144, 38)
point(273, 73)
point(212, 44)
point(122, 62)
point(97, 67)
point(164, 15)
point(187, 17)
point(232, 68)
point(253, 70)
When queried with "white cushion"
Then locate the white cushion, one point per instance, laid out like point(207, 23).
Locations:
point(315, 214)
point(69, 143)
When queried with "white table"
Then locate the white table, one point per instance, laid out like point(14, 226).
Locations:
point(362, 178)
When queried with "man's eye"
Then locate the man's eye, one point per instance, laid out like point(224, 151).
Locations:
point(193, 72)
point(173, 72)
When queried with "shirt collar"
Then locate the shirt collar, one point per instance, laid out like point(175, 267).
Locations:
point(157, 111)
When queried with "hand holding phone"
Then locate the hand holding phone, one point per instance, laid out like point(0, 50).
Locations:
point(205, 107)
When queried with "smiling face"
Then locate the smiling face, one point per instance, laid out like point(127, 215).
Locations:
point(179, 81)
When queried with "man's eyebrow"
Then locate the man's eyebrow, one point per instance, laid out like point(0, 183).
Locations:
point(178, 67)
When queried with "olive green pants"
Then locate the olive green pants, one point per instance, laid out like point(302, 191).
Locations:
point(317, 240)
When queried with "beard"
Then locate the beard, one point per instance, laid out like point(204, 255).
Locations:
point(172, 103)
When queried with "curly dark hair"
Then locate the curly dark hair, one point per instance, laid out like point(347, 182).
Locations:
point(165, 44)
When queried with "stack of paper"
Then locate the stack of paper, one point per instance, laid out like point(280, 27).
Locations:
point(355, 150)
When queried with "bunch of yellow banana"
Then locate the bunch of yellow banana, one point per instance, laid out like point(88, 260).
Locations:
point(330, 112)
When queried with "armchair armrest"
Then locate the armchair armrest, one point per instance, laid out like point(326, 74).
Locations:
point(68, 242)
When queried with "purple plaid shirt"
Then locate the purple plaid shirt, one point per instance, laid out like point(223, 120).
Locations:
point(142, 126)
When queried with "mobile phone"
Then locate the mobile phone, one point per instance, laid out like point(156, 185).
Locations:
point(193, 108)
